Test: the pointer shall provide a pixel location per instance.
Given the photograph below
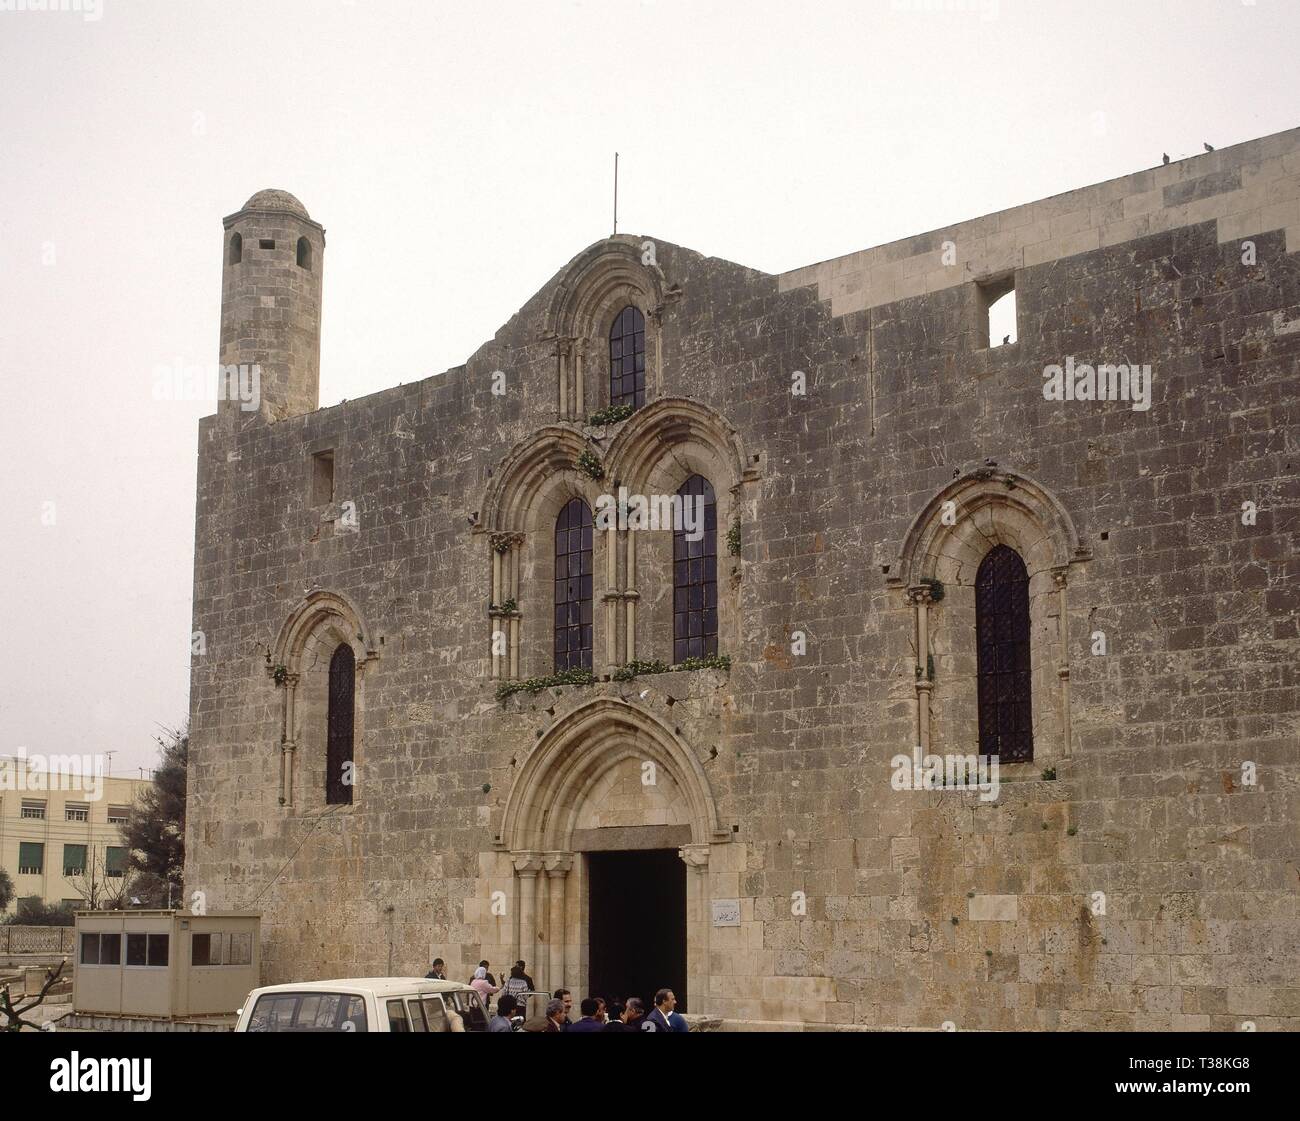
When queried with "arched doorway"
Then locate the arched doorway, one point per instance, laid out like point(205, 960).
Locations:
point(609, 826)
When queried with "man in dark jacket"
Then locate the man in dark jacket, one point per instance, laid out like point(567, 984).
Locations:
point(437, 971)
point(628, 1017)
point(665, 1002)
point(593, 1016)
point(551, 1021)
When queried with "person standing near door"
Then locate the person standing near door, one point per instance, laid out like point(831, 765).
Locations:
point(665, 1002)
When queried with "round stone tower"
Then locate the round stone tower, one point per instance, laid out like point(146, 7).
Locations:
point(273, 257)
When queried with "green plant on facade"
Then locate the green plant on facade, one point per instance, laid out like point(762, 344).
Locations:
point(733, 539)
point(1049, 774)
point(611, 415)
point(589, 464)
point(638, 668)
point(535, 685)
point(935, 586)
point(510, 607)
point(279, 673)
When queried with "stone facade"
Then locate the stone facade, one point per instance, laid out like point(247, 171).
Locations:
point(1140, 873)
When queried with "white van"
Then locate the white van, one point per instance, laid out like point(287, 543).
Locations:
point(403, 1004)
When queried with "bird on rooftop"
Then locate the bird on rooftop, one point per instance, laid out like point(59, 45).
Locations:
point(1006, 339)
point(1208, 147)
point(1166, 157)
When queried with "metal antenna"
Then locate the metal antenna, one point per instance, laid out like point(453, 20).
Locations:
point(615, 194)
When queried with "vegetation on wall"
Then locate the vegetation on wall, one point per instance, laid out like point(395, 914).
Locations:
point(535, 685)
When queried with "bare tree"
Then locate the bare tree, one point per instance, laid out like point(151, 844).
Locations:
point(98, 890)
point(13, 1014)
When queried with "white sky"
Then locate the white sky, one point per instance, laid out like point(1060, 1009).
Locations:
point(458, 155)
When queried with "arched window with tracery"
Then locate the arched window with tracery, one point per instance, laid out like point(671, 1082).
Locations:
point(573, 586)
point(338, 752)
point(627, 358)
point(695, 572)
point(1002, 637)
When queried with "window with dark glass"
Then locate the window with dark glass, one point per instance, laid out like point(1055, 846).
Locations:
point(695, 572)
point(74, 860)
point(115, 861)
point(31, 858)
point(338, 753)
point(1002, 637)
point(573, 585)
point(627, 358)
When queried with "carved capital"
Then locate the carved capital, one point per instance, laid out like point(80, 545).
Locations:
point(694, 855)
point(1059, 577)
point(527, 863)
point(504, 542)
point(558, 864)
point(920, 593)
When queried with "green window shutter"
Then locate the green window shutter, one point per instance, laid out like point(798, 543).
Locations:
point(114, 860)
point(74, 860)
point(31, 857)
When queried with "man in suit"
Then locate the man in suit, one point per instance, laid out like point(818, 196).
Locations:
point(551, 1021)
point(658, 1019)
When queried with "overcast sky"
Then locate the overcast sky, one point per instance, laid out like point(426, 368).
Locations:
point(458, 155)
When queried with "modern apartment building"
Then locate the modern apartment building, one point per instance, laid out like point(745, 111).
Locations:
point(59, 829)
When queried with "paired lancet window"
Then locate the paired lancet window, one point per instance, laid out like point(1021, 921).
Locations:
point(695, 573)
point(573, 586)
point(1002, 638)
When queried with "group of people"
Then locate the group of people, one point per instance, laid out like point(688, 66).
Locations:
point(595, 1013)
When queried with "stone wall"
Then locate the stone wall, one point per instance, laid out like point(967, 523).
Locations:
point(860, 903)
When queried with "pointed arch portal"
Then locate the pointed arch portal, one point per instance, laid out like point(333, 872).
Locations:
point(609, 825)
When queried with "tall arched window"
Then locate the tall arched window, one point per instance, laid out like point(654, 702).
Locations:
point(338, 751)
point(627, 358)
point(236, 248)
point(695, 572)
point(1002, 636)
point(573, 530)
point(304, 254)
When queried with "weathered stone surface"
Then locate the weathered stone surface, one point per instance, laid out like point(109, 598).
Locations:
point(1146, 885)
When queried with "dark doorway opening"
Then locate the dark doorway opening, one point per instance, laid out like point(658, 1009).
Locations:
point(637, 909)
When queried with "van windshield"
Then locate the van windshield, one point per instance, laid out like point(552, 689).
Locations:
point(308, 1012)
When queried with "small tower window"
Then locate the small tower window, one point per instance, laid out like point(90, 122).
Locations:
point(322, 478)
point(266, 243)
point(236, 249)
point(627, 358)
point(997, 311)
point(304, 254)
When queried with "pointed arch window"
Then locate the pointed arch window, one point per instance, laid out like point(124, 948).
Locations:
point(338, 752)
point(573, 585)
point(1002, 637)
point(627, 358)
point(695, 573)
